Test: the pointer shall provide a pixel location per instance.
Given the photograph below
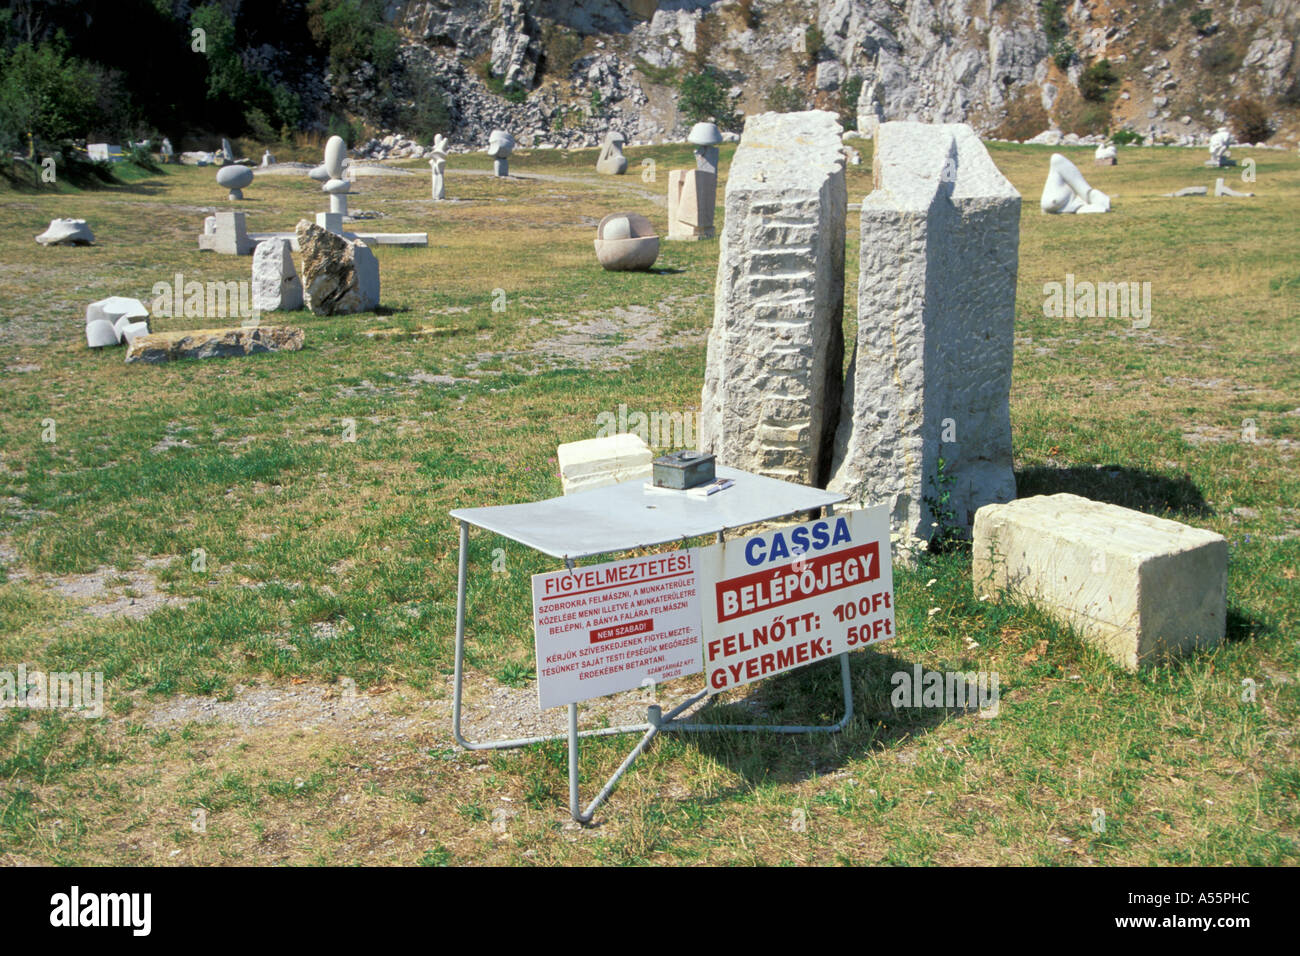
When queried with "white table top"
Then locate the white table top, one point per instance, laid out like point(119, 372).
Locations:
point(625, 516)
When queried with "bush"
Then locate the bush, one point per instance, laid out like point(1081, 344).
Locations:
point(785, 99)
point(1219, 56)
point(1063, 54)
point(45, 97)
point(1096, 81)
point(1126, 137)
point(1200, 20)
point(1251, 122)
point(560, 48)
point(850, 93)
point(814, 44)
point(353, 32)
point(703, 96)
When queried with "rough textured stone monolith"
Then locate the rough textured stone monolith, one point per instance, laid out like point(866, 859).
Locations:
point(930, 378)
point(773, 377)
point(276, 286)
point(339, 276)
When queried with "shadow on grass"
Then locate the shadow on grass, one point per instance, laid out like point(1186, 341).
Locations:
point(812, 696)
point(1118, 485)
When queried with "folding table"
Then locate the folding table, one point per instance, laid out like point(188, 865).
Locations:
point(619, 518)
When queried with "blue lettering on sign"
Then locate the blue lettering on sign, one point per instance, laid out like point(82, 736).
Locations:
point(804, 539)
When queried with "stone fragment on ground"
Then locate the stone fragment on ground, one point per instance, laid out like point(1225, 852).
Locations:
point(160, 347)
point(67, 232)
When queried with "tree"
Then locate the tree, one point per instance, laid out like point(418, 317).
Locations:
point(44, 96)
point(703, 96)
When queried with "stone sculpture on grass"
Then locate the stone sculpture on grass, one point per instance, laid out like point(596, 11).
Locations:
point(234, 178)
point(438, 165)
point(500, 145)
point(67, 232)
point(611, 160)
point(339, 276)
point(1066, 191)
point(626, 241)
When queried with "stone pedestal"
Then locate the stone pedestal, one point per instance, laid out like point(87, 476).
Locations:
point(773, 376)
point(930, 377)
point(692, 195)
point(330, 222)
point(1138, 587)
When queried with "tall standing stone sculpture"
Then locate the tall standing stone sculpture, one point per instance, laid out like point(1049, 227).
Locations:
point(930, 377)
point(773, 377)
point(692, 193)
point(500, 145)
point(1220, 152)
point(438, 165)
point(330, 174)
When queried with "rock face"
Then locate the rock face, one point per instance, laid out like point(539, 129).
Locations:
point(1138, 587)
point(276, 286)
point(930, 376)
point(772, 381)
point(340, 276)
point(213, 343)
point(67, 232)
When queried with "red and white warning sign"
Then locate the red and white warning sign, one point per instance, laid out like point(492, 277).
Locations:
point(612, 627)
point(776, 601)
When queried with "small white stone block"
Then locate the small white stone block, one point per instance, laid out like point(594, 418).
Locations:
point(596, 462)
point(100, 334)
point(1138, 587)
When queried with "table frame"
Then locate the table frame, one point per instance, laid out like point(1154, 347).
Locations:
point(656, 721)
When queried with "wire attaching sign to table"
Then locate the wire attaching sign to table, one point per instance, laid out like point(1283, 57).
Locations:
point(772, 602)
point(611, 627)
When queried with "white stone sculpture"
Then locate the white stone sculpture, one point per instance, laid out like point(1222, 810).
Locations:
point(500, 145)
point(626, 241)
point(276, 286)
point(775, 352)
point(1220, 155)
point(234, 178)
point(1221, 189)
point(438, 165)
point(267, 159)
point(1066, 191)
point(930, 376)
point(166, 150)
point(67, 232)
point(1106, 155)
point(611, 161)
point(227, 152)
point(330, 175)
point(108, 319)
point(693, 193)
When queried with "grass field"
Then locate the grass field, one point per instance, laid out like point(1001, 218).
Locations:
point(302, 584)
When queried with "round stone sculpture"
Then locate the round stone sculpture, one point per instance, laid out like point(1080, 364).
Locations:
point(235, 178)
point(704, 134)
point(626, 241)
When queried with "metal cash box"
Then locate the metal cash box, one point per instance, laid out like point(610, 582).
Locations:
point(682, 470)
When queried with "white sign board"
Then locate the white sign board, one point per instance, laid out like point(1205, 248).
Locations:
point(611, 627)
point(776, 601)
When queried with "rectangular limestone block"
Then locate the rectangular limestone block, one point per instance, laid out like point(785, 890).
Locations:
point(596, 462)
point(1138, 587)
point(773, 374)
point(930, 377)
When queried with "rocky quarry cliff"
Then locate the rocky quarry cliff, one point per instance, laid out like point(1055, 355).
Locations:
point(562, 73)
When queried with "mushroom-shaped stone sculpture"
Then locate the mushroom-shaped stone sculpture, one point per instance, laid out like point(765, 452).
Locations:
point(705, 137)
point(234, 178)
point(626, 241)
point(500, 145)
